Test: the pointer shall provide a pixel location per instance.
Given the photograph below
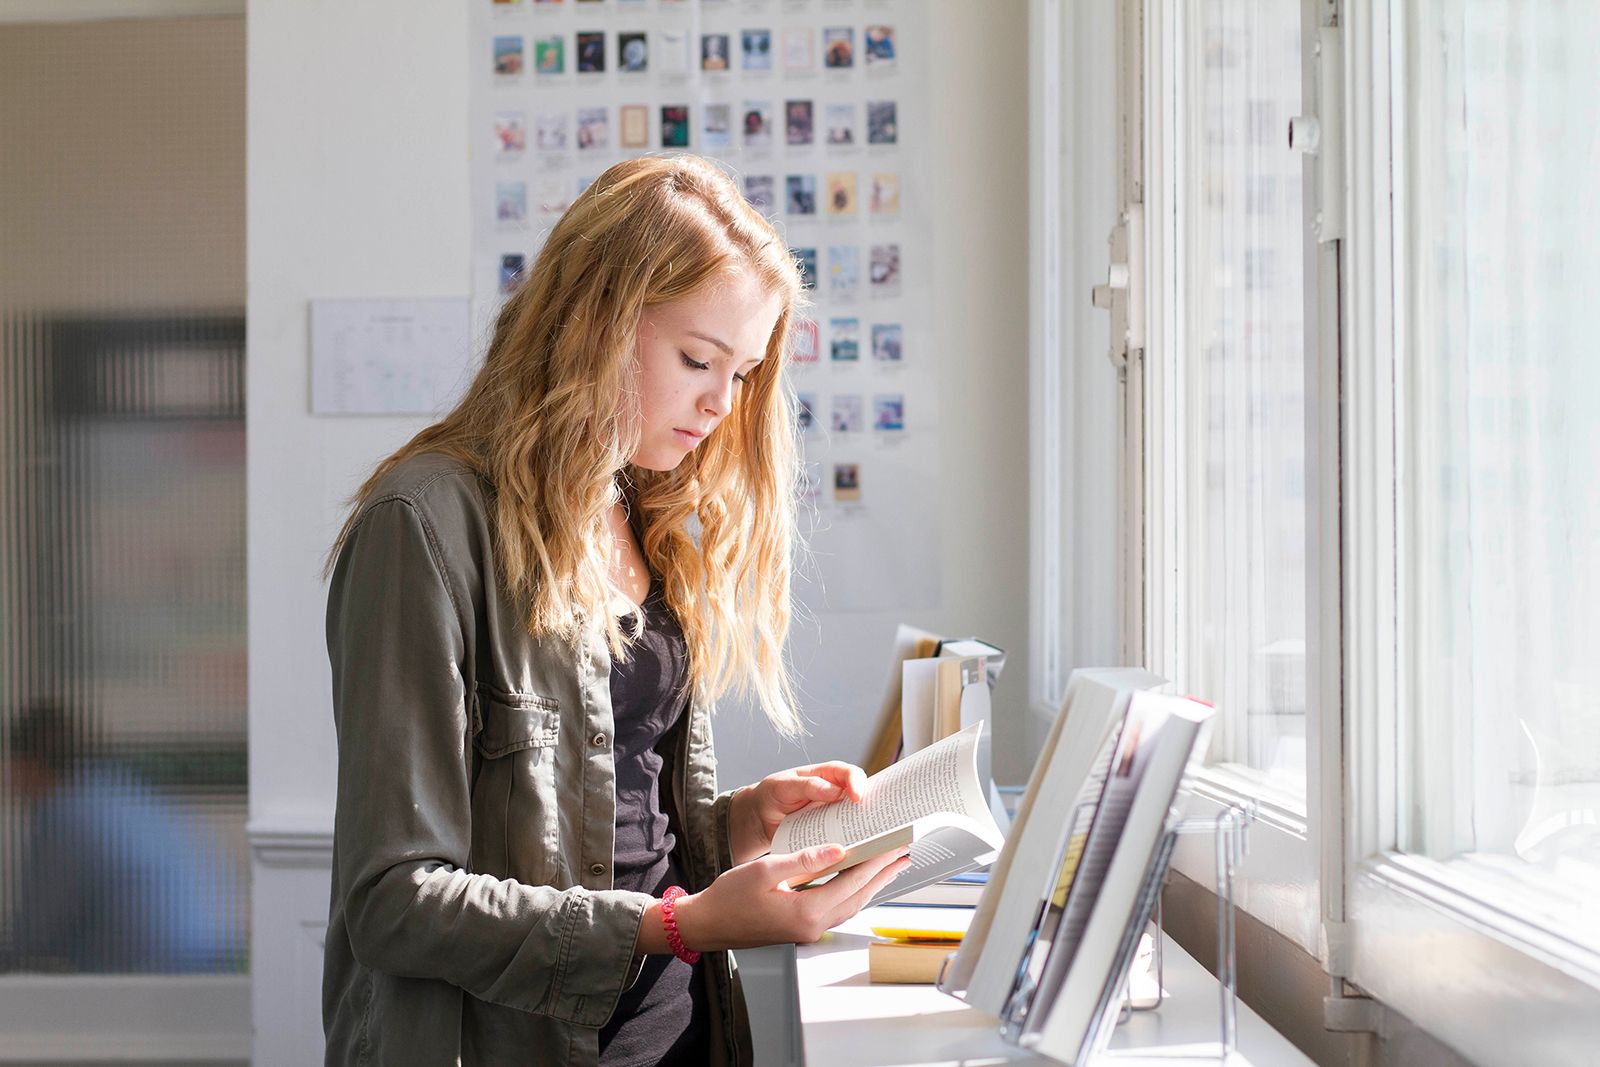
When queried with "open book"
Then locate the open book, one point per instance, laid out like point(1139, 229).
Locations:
point(931, 800)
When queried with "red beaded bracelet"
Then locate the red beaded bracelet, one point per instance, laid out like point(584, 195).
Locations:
point(669, 901)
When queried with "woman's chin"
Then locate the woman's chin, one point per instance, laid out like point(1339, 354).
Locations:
point(658, 459)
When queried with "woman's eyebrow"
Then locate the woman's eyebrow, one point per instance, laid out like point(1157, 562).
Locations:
point(726, 350)
point(712, 340)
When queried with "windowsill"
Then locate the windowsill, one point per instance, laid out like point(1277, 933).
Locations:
point(1471, 969)
point(1276, 882)
point(1229, 783)
point(1278, 979)
point(1273, 799)
point(1534, 899)
point(1458, 893)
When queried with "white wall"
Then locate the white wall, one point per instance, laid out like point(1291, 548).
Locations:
point(978, 108)
point(358, 187)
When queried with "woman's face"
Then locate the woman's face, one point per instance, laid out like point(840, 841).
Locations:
point(693, 354)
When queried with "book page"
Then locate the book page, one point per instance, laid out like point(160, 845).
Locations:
point(941, 778)
point(1083, 813)
point(936, 854)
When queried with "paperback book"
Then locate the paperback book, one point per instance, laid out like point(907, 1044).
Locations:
point(1048, 821)
point(1068, 1004)
point(931, 801)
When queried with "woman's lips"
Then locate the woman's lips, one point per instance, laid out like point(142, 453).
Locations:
point(688, 437)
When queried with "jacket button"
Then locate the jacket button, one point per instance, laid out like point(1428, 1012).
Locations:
point(597, 868)
point(599, 740)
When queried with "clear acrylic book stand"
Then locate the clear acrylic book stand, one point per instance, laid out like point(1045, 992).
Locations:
point(1230, 830)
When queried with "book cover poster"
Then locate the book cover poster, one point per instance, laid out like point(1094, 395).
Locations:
point(813, 108)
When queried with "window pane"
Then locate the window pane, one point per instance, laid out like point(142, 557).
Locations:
point(1243, 586)
point(122, 587)
point(1502, 554)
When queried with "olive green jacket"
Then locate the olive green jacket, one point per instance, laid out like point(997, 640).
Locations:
point(472, 918)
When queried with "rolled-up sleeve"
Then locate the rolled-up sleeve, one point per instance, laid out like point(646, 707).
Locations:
point(398, 640)
point(722, 833)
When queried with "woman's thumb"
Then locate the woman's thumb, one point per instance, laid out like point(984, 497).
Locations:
point(818, 857)
point(798, 866)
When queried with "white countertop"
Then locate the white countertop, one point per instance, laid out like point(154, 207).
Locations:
point(845, 1021)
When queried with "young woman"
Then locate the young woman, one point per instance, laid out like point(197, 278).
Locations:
point(533, 607)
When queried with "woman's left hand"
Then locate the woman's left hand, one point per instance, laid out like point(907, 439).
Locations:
point(757, 811)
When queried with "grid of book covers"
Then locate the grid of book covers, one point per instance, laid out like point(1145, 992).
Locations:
point(814, 108)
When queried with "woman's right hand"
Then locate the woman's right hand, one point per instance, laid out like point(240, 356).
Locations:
point(752, 904)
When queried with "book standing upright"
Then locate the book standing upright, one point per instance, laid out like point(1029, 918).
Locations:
point(1009, 911)
point(1050, 947)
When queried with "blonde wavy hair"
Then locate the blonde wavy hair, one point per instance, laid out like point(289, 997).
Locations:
point(552, 417)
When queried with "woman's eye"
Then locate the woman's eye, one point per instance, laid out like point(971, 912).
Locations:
point(741, 379)
point(691, 363)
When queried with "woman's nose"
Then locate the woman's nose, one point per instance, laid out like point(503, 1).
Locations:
point(719, 402)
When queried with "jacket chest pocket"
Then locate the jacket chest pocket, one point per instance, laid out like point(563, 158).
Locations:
point(515, 814)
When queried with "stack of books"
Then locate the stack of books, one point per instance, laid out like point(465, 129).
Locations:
point(958, 891)
point(1046, 939)
point(936, 686)
point(912, 943)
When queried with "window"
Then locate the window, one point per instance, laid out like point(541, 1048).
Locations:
point(1369, 533)
point(1259, 194)
point(124, 892)
point(1470, 538)
point(1500, 425)
point(1238, 355)
point(1226, 569)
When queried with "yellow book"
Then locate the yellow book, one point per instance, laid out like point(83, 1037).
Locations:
point(906, 962)
point(1069, 867)
point(902, 933)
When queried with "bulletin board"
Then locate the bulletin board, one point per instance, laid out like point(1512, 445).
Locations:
point(814, 107)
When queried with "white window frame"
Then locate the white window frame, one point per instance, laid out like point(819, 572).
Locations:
point(1076, 596)
point(1420, 935)
point(156, 1018)
point(1421, 938)
point(1106, 599)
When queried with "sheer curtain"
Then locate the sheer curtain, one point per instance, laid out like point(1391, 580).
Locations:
point(1242, 610)
point(1500, 417)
